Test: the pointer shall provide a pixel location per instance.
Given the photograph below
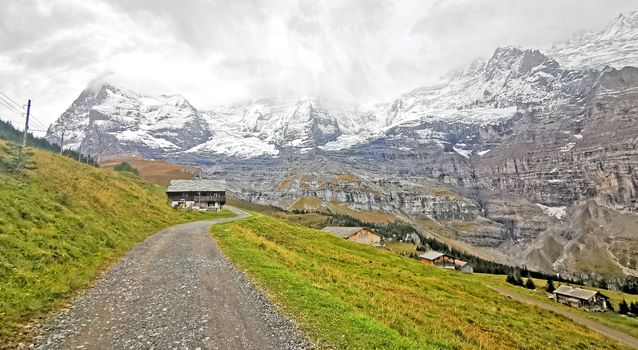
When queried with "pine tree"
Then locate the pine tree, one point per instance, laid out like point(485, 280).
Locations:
point(16, 159)
point(623, 308)
point(529, 284)
point(550, 286)
point(633, 308)
point(510, 279)
point(519, 281)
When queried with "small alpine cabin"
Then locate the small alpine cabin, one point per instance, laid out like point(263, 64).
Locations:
point(197, 194)
point(356, 234)
point(437, 258)
point(445, 261)
point(590, 300)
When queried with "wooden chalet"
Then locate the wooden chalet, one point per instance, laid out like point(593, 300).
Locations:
point(437, 258)
point(581, 298)
point(197, 194)
point(355, 234)
point(445, 261)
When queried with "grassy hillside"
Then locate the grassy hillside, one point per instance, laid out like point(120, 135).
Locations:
point(622, 323)
point(155, 171)
point(348, 296)
point(61, 224)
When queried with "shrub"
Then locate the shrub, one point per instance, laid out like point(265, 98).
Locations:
point(16, 159)
point(124, 166)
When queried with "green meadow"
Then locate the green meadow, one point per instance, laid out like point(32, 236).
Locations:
point(347, 296)
point(63, 223)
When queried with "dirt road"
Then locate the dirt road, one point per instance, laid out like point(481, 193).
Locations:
point(593, 325)
point(173, 291)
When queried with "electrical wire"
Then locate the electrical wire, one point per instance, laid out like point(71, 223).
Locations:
point(32, 117)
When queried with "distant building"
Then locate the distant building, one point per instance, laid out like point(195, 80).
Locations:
point(356, 234)
point(463, 266)
point(197, 194)
point(437, 258)
point(445, 261)
point(581, 298)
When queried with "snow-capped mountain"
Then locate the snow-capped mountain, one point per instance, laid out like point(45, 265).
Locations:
point(615, 46)
point(513, 80)
point(524, 155)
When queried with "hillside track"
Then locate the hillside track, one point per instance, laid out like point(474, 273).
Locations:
point(591, 324)
point(175, 290)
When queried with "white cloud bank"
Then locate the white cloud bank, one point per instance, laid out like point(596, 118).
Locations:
point(218, 52)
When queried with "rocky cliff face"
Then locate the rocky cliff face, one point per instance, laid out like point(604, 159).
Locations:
point(529, 156)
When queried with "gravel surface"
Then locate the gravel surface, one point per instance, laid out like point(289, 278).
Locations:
point(175, 290)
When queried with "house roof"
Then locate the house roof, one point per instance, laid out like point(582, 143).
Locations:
point(460, 263)
point(344, 232)
point(578, 293)
point(431, 255)
point(196, 185)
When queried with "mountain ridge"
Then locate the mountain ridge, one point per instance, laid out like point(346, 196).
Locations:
point(492, 155)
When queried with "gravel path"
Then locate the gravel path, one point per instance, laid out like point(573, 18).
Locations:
point(175, 290)
point(593, 325)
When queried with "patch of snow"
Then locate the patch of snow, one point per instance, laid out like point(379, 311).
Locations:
point(343, 142)
point(463, 152)
point(557, 212)
point(143, 137)
point(482, 153)
point(236, 146)
point(567, 147)
point(578, 136)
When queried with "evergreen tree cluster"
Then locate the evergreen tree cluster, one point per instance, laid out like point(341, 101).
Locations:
point(402, 229)
point(630, 309)
point(13, 135)
point(516, 279)
point(124, 166)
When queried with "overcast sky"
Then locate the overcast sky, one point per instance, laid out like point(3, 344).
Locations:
point(219, 52)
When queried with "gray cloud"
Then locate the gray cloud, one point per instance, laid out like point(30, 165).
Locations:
point(216, 52)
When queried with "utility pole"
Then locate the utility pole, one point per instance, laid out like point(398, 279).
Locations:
point(26, 124)
point(62, 142)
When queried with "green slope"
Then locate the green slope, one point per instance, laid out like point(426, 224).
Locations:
point(348, 296)
point(63, 223)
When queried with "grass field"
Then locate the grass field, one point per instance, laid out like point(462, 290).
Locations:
point(61, 225)
point(347, 296)
point(623, 323)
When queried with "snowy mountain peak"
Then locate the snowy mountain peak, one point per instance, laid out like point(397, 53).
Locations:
point(516, 61)
point(616, 45)
point(620, 26)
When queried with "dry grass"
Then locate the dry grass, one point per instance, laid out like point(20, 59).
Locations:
point(285, 184)
point(441, 192)
point(155, 171)
point(307, 204)
point(345, 177)
point(373, 216)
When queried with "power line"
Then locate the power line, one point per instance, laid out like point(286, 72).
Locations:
point(12, 100)
point(33, 119)
point(9, 106)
